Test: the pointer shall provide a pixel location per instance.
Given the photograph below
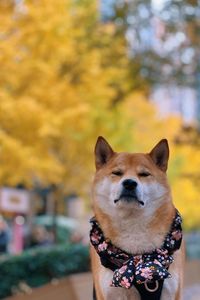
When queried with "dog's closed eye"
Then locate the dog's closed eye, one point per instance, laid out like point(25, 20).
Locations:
point(144, 174)
point(117, 173)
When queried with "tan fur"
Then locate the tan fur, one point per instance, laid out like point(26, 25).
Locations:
point(96, 266)
point(130, 227)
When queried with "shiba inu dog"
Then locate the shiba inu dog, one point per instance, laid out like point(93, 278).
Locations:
point(134, 212)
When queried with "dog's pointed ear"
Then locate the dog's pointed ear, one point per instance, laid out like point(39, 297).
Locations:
point(160, 154)
point(103, 152)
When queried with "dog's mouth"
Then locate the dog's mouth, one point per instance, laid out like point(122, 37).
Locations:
point(129, 197)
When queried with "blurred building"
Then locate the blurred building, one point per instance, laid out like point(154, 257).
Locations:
point(146, 34)
point(14, 201)
point(177, 100)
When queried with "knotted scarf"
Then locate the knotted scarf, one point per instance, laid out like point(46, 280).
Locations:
point(137, 269)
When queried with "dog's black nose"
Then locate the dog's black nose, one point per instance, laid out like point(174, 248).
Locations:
point(129, 184)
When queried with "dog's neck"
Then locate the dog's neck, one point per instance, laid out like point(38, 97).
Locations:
point(135, 232)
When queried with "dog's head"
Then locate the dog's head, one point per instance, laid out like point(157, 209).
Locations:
point(130, 181)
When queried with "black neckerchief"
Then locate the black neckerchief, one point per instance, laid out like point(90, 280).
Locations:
point(137, 270)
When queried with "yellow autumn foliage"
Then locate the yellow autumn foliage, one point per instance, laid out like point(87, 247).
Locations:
point(64, 81)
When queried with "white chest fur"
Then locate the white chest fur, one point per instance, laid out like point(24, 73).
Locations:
point(140, 239)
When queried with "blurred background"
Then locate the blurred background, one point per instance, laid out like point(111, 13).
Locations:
point(72, 70)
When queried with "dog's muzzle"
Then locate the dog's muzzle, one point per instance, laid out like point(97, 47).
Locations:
point(129, 192)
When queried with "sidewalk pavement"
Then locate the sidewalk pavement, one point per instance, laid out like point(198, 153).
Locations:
point(79, 287)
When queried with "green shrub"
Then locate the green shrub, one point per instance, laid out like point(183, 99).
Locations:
point(37, 267)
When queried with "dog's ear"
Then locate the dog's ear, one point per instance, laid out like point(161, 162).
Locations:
point(160, 154)
point(103, 152)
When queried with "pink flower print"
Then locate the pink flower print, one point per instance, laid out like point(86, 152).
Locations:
point(122, 269)
point(146, 273)
point(162, 252)
point(125, 283)
point(177, 235)
point(157, 262)
point(137, 259)
point(95, 238)
point(131, 278)
point(137, 272)
point(102, 246)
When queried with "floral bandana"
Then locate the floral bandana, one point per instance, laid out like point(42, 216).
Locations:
point(137, 269)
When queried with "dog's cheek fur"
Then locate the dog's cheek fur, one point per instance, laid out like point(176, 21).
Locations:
point(116, 190)
point(153, 191)
point(105, 193)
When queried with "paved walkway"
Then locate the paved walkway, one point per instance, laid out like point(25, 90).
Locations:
point(79, 287)
point(192, 292)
